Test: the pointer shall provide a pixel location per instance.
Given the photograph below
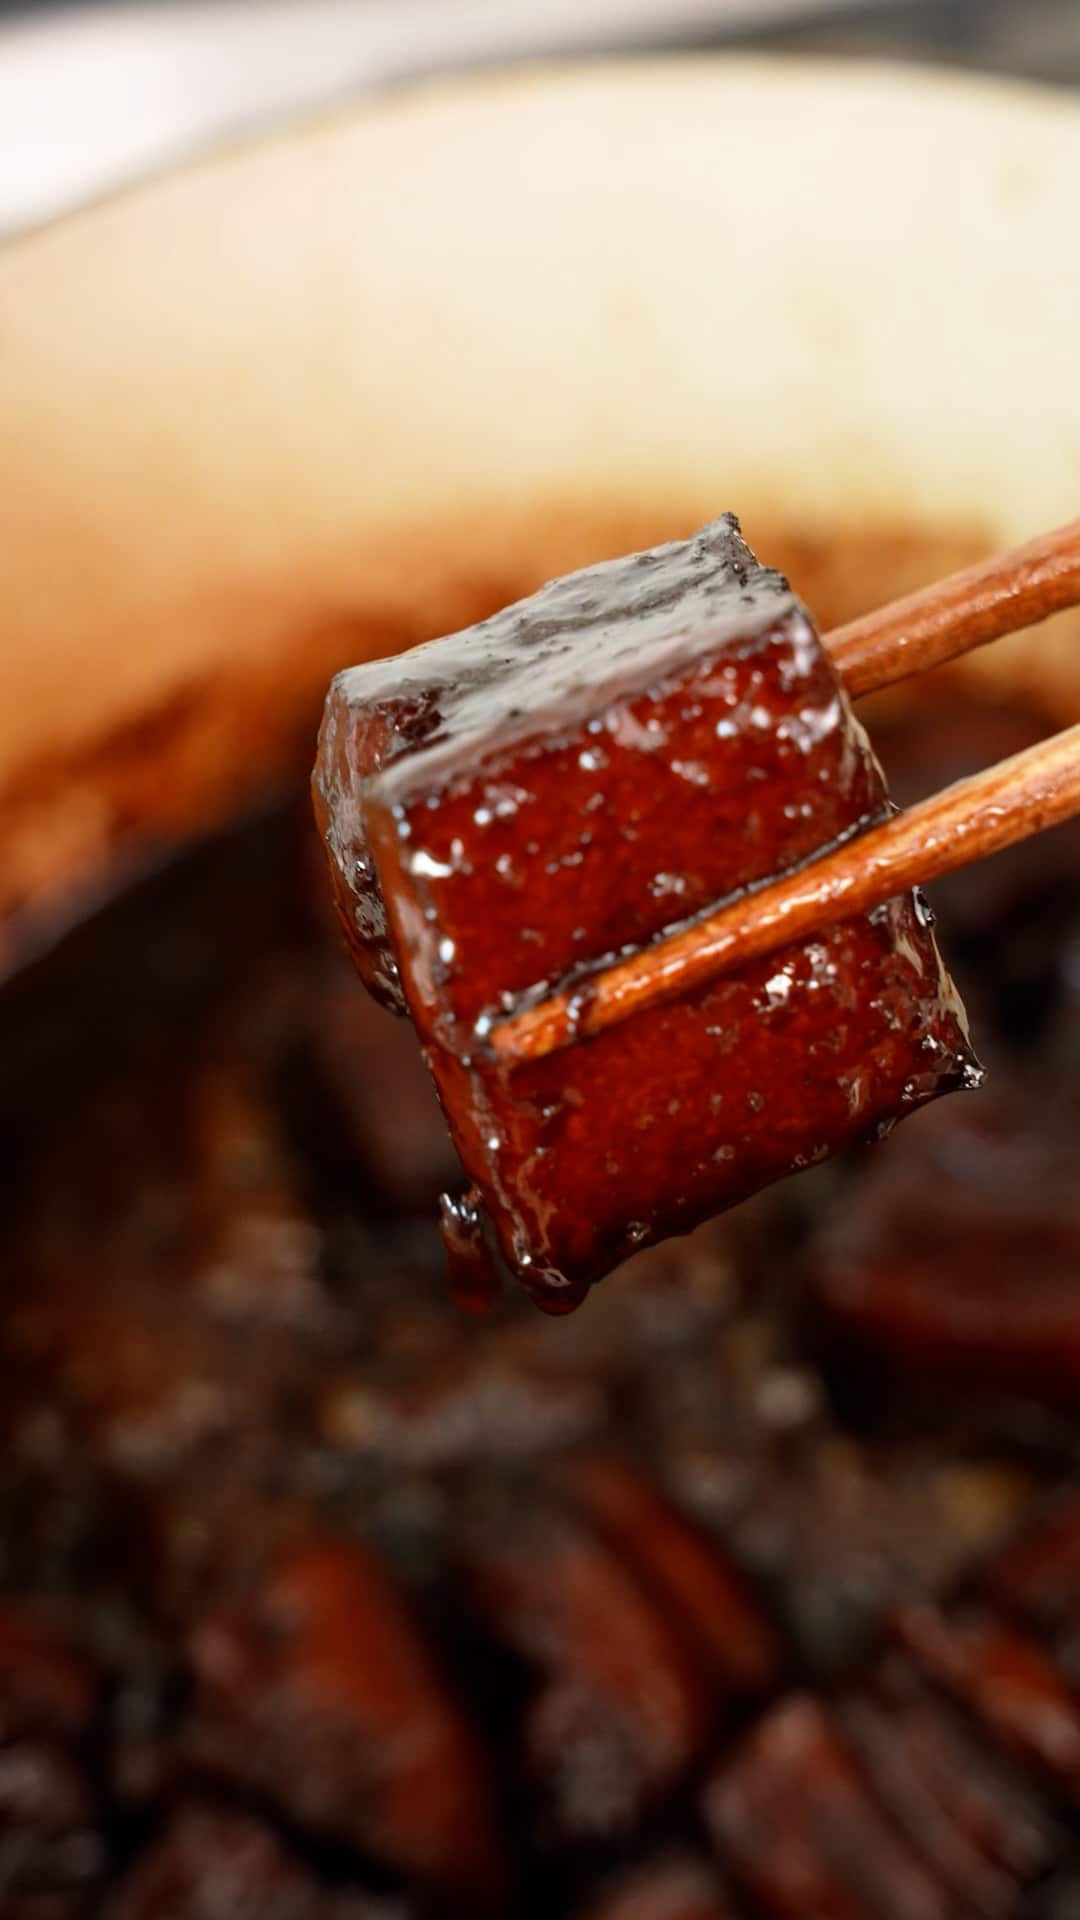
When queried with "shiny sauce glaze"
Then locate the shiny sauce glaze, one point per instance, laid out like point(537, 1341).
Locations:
point(506, 808)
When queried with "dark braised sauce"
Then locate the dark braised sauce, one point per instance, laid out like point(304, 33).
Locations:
point(752, 1591)
point(506, 807)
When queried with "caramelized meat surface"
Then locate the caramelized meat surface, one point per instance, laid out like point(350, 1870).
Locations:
point(509, 806)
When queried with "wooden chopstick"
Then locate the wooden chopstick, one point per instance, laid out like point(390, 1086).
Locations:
point(978, 816)
point(940, 622)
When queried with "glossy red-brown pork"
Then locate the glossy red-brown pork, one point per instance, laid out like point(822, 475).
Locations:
point(506, 807)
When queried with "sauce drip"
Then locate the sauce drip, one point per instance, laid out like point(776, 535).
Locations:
point(470, 1262)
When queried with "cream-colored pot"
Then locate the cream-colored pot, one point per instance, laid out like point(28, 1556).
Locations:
point(325, 394)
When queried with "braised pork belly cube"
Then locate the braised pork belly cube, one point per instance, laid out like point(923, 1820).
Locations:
point(617, 1707)
point(982, 1828)
point(957, 1263)
point(799, 1830)
point(506, 807)
point(317, 1695)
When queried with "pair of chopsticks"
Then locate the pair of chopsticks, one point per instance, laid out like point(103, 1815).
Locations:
point(978, 816)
